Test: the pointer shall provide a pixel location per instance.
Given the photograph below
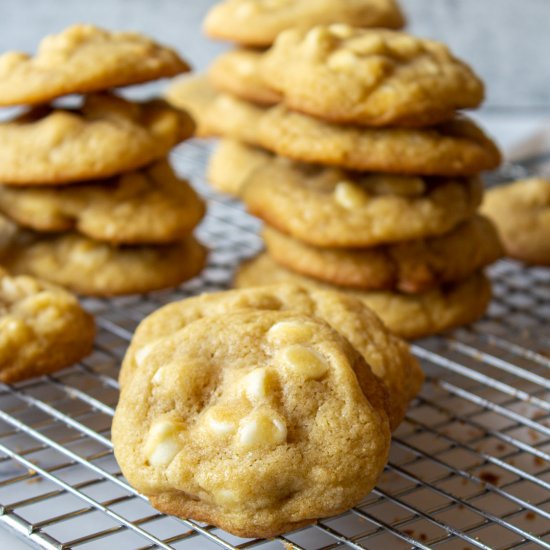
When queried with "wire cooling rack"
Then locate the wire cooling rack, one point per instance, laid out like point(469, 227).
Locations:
point(469, 468)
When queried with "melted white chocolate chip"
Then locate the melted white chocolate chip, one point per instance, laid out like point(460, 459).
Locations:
point(217, 424)
point(290, 331)
point(261, 428)
point(257, 385)
point(305, 362)
point(163, 442)
point(350, 196)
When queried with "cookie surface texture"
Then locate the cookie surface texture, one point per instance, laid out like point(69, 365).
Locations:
point(387, 355)
point(84, 59)
point(333, 208)
point(106, 136)
point(454, 148)
point(238, 72)
point(258, 22)
point(408, 315)
point(232, 163)
point(521, 212)
point(151, 205)
point(43, 328)
point(369, 77)
point(257, 422)
point(412, 266)
point(100, 269)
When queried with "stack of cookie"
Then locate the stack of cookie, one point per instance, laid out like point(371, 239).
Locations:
point(376, 188)
point(96, 205)
point(234, 83)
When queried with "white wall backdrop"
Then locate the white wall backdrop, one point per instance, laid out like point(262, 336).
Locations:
point(507, 41)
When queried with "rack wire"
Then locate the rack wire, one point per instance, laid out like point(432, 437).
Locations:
point(469, 467)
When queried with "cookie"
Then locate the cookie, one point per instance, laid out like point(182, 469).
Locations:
point(237, 72)
point(256, 422)
point(410, 267)
point(521, 212)
point(83, 59)
point(106, 136)
point(148, 206)
point(196, 95)
point(369, 77)
point(99, 269)
point(407, 315)
point(454, 148)
point(387, 355)
point(332, 208)
point(43, 328)
point(258, 22)
point(232, 163)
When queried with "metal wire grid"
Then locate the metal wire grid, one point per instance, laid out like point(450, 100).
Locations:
point(469, 468)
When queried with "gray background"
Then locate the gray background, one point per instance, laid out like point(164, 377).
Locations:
point(507, 41)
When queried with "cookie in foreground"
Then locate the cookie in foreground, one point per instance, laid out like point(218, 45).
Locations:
point(258, 422)
point(408, 315)
point(387, 355)
point(43, 328)
point(84, 59)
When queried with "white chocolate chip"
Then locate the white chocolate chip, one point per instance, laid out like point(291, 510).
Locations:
point(290, 331)
point(367, 44)
point(350, 196)
point(261, 429)
point(318, 40)
point(163, 442)
point(257, 385)
point(305, 362)
point(405, 45)
point(226, 497)
point(342, 60)
point(157, 378)
point(341, 31)
point(143, 353)
point(217, 424)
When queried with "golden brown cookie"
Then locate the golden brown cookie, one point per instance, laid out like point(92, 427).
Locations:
point(454, 148)
point(332, 208)
point(99, 269)
point(43, 328)
point(521, 212)
point(408, 315)
point(369, 77)
point(410, 267)
point(387, 355)
point(148, 206)
point(232, 163)
point(238, 72)
point(106, 136)
point(83, 59)
point(257, 422)
point(258, 22)
point(196, 95)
